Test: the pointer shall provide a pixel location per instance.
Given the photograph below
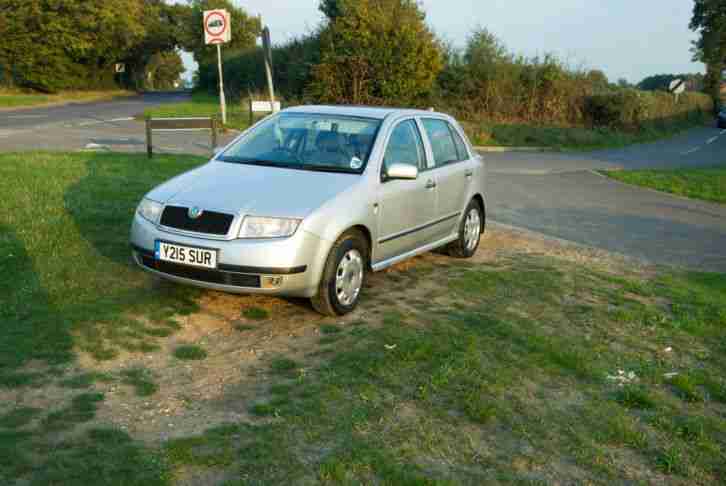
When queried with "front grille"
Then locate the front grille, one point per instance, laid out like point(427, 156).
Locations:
point(210, 222)
point(202, 274)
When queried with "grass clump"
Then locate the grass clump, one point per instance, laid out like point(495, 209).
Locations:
point(190, 352)
point(256, 313)
point(142, 381)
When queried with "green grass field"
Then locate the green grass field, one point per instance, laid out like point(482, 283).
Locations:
point(526, 369)
point(18, 99)
point(708, 184)
point(202, 104)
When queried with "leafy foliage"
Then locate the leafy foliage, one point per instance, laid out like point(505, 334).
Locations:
point(358, 64)
point(709, 20)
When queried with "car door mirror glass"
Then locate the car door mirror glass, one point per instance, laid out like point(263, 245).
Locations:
point(402, 172)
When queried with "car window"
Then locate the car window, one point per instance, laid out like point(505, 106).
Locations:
point(460, 145)
point(442, 142)
point(307, 141)
point(405, 147)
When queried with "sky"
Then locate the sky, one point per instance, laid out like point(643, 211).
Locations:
point(628, 39)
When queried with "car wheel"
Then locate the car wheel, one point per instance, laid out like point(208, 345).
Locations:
point(470, 231)
point(344, 276)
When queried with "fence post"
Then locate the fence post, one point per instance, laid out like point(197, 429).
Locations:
point(252, 115)
point(213, 127)
point(149, 149)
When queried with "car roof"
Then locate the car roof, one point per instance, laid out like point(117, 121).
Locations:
point(378, 113)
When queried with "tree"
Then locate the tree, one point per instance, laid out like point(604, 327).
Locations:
point(67, 44)
point(709, 20)
point(165, 69)
point(375, 52)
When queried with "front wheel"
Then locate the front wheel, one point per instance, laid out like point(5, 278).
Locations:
point(343, 277)
point(470, 230)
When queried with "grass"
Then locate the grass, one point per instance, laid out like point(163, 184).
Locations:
point(708, 184)
point(22, 99)
point(256, 313)
point(203, 104)
point(572, 138)
point(64, 259)
point(505, 383)
point(500, 374)
point(190, 352)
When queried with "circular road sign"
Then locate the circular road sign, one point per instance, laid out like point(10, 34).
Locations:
point(216, 24)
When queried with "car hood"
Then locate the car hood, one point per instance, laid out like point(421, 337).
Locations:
point(256, 190)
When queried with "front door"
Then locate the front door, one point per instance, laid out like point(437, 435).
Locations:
point(406, 207)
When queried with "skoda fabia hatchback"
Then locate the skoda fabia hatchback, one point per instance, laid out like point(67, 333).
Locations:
point(309, 201)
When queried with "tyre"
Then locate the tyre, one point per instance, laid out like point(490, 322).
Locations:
point(344, 275)
point(470, 231)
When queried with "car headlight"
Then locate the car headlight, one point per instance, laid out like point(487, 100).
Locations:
point(256, 227)
point(150, 210)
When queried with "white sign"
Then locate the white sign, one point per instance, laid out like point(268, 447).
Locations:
point(265, 107)
point(217, 27)
point(677, 86)
point(120, 67)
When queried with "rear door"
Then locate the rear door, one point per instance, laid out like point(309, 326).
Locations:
point(453, 171)
point(406, 207)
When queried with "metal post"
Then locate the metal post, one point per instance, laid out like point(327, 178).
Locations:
point(149, 149)
point(222, 100)
point(267, 47)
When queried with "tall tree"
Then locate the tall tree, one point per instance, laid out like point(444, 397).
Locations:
point(709, 20)
point(375, 52)
point(50, 45)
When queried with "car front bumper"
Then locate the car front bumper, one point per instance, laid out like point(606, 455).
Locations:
point(286, 266)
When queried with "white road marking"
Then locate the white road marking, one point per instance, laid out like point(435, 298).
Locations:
point(711, 140)
point(691, 151)
point(100, 122)
point(24, 117)
point(722, 132)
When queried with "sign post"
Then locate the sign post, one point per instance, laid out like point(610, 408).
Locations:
point(217, 30)
point(267, 47)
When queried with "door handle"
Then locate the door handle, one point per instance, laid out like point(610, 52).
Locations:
point(468, 173)
point(430, 184)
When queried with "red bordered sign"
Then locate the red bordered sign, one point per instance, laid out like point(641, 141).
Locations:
point(217, 27)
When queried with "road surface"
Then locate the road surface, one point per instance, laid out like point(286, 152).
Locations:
point(107, 125)
point(558, 194)
point(562, 195)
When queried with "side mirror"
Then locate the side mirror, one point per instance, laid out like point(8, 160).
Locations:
point(402, 172)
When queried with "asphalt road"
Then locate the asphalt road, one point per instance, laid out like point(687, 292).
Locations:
point(562, 195)
point(558, 194)
point(107, 125)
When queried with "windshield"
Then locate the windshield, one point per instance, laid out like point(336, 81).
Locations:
point(308, 142)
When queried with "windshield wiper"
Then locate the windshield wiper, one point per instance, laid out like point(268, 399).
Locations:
point(328, 168)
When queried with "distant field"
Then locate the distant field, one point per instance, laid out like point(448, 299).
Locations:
point(707, 184)
point(18, 99)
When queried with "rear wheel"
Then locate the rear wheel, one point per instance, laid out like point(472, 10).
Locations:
point(470, 230)
point(344, 275)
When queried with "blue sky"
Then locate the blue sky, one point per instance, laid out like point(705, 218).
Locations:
point(625, 38)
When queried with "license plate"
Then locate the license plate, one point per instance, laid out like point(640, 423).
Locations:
point(186, 255)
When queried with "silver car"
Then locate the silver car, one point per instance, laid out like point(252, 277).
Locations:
point(309, 200)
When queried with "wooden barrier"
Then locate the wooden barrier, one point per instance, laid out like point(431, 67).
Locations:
point(180, 125)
